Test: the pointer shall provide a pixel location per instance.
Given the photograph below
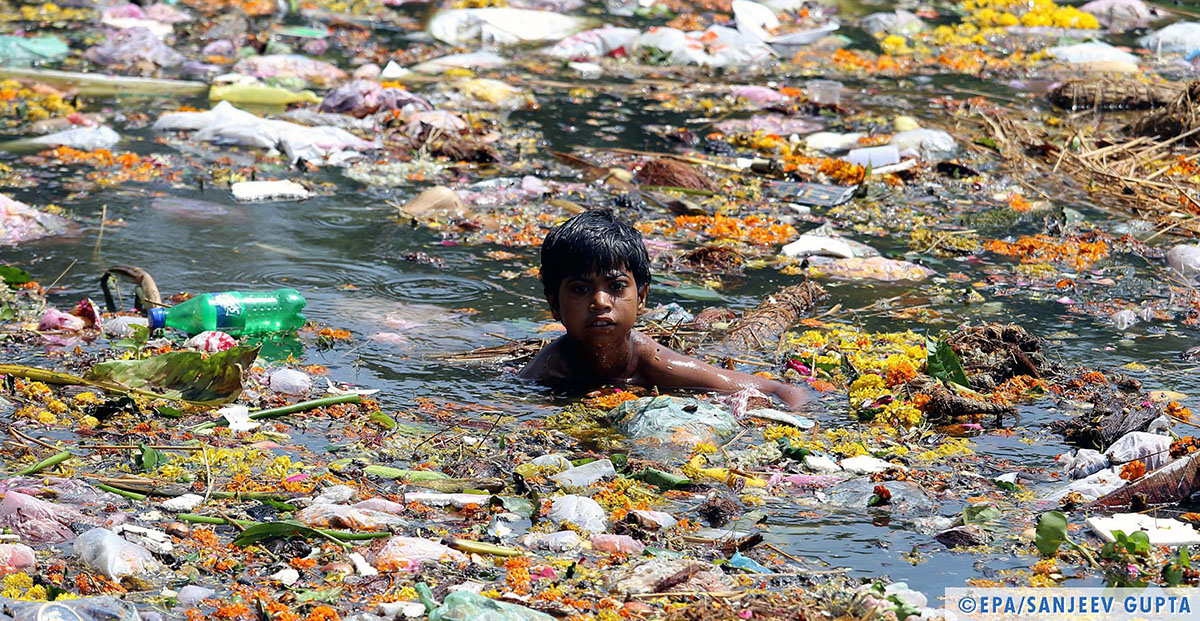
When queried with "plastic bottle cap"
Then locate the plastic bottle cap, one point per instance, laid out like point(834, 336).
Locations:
point(158, 318)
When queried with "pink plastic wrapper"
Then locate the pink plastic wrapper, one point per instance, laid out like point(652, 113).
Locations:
point(16, 558)
point(344, 516)
point(617, 544)
point(407, 554)
point(37, 520)
point(20, 222)
point(54, 319)
point(211, 341)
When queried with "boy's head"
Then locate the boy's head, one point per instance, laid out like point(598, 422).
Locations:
point(593, 242)
point(595, 274)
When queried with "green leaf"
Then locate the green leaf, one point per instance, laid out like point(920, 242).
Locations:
point(273, 530)
point(980, 514)
point(1139, 543)
point(662, 480)
point(280, 506)
point(1051, 532)
point(150, 458)
point(383, 420)
point(620, 461)
point(904, 609)
point(319, 595)
point(7, 313)
point(942, 363)
point(388, 472)
point(167, 411)
point(187, 375)
point(521, 506)
point(14, 275)
point(792, 452)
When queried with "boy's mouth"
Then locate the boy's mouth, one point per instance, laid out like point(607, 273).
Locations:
point(602, 323)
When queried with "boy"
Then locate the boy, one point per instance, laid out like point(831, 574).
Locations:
point(596, 275)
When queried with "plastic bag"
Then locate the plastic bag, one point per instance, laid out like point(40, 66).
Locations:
point(717, 46)
point(580, 511)
point(468, 606)
point(37, 520)
point(617, 544)
point(1180, 37)
point(105, 551)
point(874, 268)
point(645, 575)
point(1121, 14)
point(1125, 319)
point(594, 43)
point(471, 60)
point(1184, 259)
point(1091, 52)
point(1149, 447)
point(290, 382)
point(343, 516)
point(928, 144)
point(503, 26)
point(84, 138)
point(898, 22)
point(407, 554)
point(674, 421)
point(226, 124)
point(362, 97)
point(15, 558)
point(133, 45)
point(317, 73)
point(19, 51)
point(1093, 486)
point(562, 541)
point(1085, 463)
point(585, 475)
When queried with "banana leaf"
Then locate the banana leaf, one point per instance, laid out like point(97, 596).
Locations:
point(181, 375)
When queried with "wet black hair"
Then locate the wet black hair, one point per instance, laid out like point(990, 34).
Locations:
point(593, 242)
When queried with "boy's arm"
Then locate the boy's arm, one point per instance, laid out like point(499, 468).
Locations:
point(542, 367)
point(667, 368)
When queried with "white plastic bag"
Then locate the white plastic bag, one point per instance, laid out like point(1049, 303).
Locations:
point(1091, 52)
point(1085, 463)
point(1184, 259)
point(105, 551)
point(585, 475)
point(928, 144)
point(580, 511)
point(83, 138)
point(503, 26)
point(1149, 447)
point(562, 541)
point(1180, 37)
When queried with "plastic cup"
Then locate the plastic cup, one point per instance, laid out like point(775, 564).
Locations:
point(824, 92)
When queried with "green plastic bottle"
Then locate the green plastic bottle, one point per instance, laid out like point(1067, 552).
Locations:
point(234, 312)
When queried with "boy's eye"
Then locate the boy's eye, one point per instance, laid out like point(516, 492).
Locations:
point(619, 285)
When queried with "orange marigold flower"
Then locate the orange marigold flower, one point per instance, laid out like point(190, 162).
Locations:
point(822, 385)
point(1176, 410)
point(1133, 470)
point(323, 613)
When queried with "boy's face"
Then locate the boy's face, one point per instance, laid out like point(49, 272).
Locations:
point(598, 309)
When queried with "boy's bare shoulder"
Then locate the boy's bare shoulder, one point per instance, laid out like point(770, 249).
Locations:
point(548, 364)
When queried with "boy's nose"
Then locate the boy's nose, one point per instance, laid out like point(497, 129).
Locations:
point(601, 301)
